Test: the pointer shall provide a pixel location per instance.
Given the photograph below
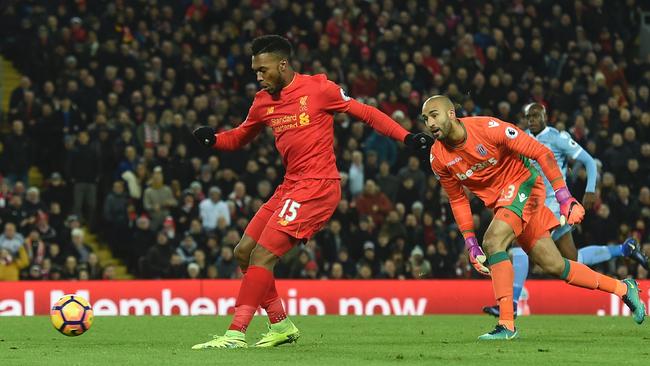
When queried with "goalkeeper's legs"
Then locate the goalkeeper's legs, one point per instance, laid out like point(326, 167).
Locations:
point(495, 242)
point(546, 255)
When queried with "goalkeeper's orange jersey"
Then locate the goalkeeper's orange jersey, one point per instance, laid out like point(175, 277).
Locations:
point(492, 163)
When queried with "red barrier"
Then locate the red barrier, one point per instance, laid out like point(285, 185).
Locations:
point(203, 297)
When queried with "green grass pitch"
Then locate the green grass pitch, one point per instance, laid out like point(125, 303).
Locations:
point(332, 340)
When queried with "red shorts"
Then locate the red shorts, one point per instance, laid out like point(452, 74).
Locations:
point(531, 222)
point(297, 208)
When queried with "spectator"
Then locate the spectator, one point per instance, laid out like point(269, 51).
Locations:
point(116, 217)
point(158, 199)
point(10, 265)
point(83, 168)
point(187, 248)
point(373, 203)
point(80, 250)
point(157, 261)
point(11, 240)
point(226, 264)
point(214, 209)
point(17, 154)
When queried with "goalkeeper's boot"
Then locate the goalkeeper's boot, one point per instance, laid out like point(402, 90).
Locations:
point(632, 300)
point(632, 249)
point(232, 339)
point(500, 333)
point(494, 310)
point(279, 333)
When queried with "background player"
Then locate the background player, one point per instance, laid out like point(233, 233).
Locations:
point(565, 148)
point(299, 108)
point(490, 158)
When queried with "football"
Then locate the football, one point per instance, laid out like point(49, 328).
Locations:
point(71, 315)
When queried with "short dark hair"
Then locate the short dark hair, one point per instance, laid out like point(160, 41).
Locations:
point(272, 44)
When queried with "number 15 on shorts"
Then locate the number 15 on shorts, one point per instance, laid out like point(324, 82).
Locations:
point(289, 211)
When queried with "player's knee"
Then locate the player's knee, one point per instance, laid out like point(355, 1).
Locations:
point(243, 251)
point(262, 257)
point(492, 244)
point(553, 268)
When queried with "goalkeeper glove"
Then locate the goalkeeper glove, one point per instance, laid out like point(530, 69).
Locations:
point(205, 135)
point(571, 211)
point(476, 255)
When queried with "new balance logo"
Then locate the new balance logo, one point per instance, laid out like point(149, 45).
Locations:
point(493, 123)
point(522, 197)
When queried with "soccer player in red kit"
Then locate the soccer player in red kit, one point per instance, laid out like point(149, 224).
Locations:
point(490, 157)
point(299, 108)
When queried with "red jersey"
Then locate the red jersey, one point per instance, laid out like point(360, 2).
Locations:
point(491, 162)
point(302, 122)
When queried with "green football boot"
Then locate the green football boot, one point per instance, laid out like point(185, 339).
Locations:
point(632, 300)
point(500, 332)
point(232, 339)
point(279, 333)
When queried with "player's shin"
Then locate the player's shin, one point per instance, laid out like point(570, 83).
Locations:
point(254, 287)
point(577, 274)
point(502, 278)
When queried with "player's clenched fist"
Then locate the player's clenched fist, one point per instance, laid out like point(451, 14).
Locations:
point(205, 135)
point(476, 255)
point(571, 211)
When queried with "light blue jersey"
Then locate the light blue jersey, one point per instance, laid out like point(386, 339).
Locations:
point(563, 148)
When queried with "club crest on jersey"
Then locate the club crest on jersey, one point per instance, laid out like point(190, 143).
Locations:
point(303, 103)
point(511, 132)
point(481, 150)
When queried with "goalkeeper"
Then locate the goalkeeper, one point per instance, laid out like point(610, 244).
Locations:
point(490, 157)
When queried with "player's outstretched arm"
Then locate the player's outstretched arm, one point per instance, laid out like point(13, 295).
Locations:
point(592, 175)
point(463, 215)
point(231, 139)
point(518, 141)
point(335, 100)
point(386, 126)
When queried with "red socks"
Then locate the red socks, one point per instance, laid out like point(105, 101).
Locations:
point(254, 288)
point(273, 305)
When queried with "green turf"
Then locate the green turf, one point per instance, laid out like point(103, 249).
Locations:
point(332, 340)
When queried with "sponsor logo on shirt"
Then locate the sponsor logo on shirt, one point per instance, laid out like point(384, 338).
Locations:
point(283, 123)
point(304, 119)
point(477, 168)
point(454, 161)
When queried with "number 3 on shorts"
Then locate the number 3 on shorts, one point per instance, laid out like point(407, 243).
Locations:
point(291, 206)
point(507, 193)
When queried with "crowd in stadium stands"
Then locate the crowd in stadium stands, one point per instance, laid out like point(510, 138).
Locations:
point(112, 91)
